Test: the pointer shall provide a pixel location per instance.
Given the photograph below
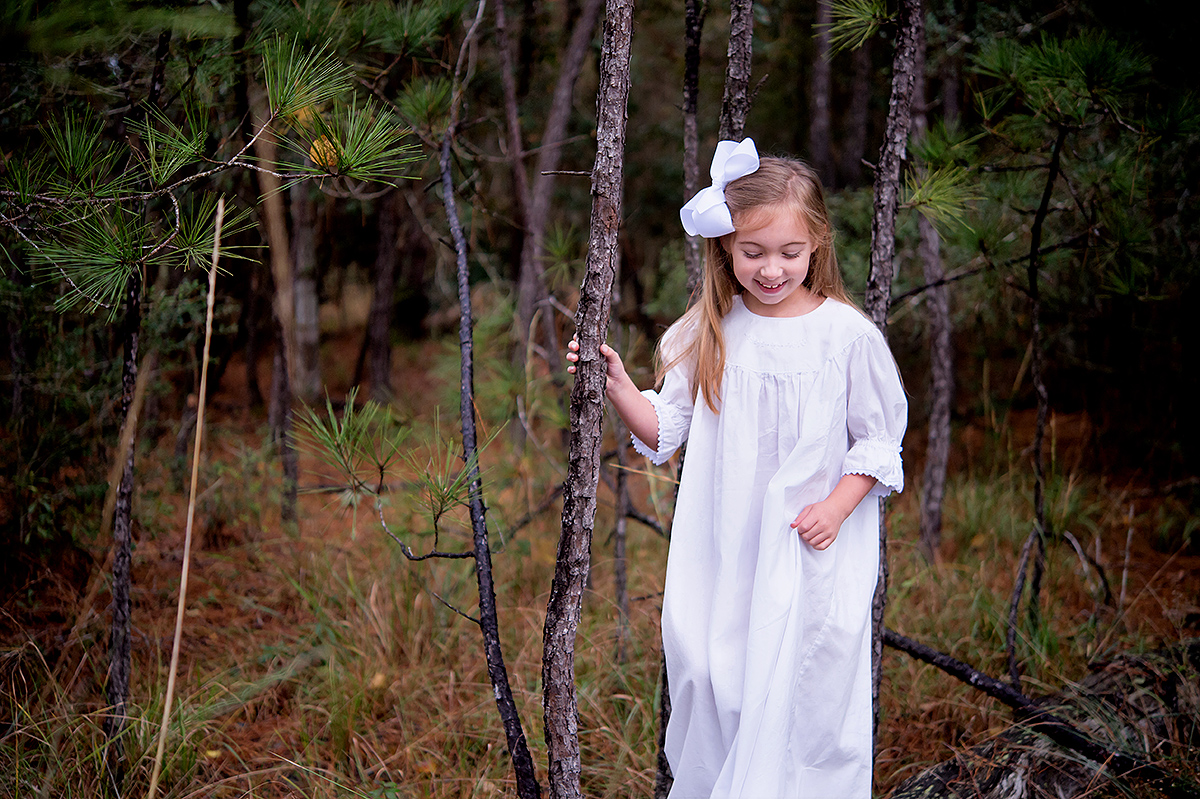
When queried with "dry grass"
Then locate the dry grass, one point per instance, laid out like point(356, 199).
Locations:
point(322, 664)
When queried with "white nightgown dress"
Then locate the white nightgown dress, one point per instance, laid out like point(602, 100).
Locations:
point(767, 640)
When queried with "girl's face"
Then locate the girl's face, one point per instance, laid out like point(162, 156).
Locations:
point(771, 262)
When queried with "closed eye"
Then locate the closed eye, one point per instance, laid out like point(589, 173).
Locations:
point(752, 254)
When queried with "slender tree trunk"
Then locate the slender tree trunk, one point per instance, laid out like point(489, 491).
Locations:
point(512, 113)
point(883, 251)
point(530, 287)
point(1037, 372)
point(735, 105)
point(854, 145)
point(119, 648)
point(819, 126)
point(518, 749)
point(379, 320)
point(696, 10)
point(283, 307)
point(307, 376)
point(280, 420)
point(587, 408)
point(941, 367)
point(941, 389)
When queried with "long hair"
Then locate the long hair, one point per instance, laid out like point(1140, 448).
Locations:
point(780, 185)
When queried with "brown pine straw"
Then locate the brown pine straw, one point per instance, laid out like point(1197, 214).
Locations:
point(191, 511)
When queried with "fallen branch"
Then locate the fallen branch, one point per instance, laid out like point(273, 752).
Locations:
point(1040, 719)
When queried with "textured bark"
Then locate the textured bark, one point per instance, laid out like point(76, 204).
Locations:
point(530, 288)
point(854, 143)
point(489, 625)
point(587, 408)
point(735, 104)
point(307, 375)
point(693, 26)
point(119, 647)
point(883, 251)
point(379, 321)
point(819, 125)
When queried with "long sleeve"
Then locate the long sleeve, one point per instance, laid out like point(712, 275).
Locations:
point(876, 414)
point(672, 403)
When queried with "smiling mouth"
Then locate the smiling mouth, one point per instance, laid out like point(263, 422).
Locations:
point(770, 286)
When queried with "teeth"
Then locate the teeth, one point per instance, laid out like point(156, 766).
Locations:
point(770, 286)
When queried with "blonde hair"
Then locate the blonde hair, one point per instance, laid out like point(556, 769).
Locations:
point(780, 185)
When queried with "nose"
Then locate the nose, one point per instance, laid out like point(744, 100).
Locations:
point(771, 269)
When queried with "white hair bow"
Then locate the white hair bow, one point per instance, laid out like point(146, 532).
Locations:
point(706, 214)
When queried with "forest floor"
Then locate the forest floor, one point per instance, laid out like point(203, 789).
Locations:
point(317, 661)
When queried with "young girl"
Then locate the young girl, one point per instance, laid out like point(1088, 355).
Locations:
point(793, 412)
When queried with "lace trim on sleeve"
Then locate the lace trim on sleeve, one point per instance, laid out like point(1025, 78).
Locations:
point(670, 431)
point(878, 458)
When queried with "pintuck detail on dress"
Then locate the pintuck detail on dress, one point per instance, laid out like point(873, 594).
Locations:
point(767, 641)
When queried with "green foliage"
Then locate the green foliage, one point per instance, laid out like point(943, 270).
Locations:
point(942, 195)
point(299, 79)
point(1064, 81)
point(855, 21)
point(170, 147)
point(359, 142)
point(361, 446)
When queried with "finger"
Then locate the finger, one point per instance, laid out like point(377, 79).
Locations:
point(570, 370)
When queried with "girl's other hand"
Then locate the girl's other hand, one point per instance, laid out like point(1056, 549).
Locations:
point(819, 523)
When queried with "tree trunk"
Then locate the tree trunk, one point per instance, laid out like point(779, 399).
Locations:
point(883, 251)
point(530, 287)
point(119, 648)
point(694, 15)
point(379, 320)
point(818, 97)
point(587, 408)
point(735, 104)
point(512, 113)
point(307, 376)
point(854, 144)
point(941, 367)
point(280, 419)
point(518, 749)
point(1037, 372)
point(283, 307)
point(941, 389)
